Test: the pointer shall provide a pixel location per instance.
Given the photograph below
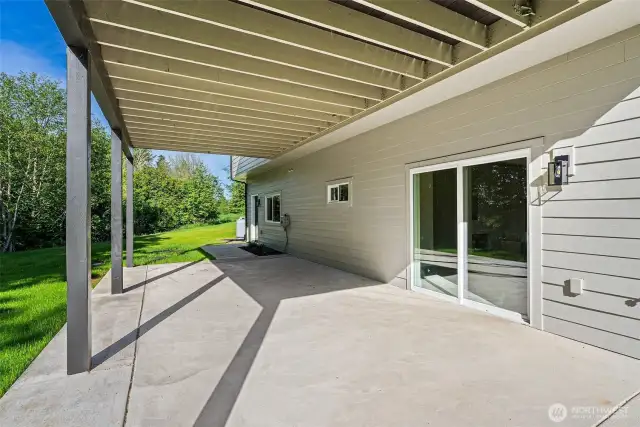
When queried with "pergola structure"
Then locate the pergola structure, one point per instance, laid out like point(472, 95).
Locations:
point(254, 78)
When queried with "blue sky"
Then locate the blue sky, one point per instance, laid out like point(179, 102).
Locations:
point(30, 41)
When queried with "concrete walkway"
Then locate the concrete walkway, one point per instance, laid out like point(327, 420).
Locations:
point(281, 342)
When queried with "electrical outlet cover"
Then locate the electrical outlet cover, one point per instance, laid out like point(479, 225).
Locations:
point(576, 286)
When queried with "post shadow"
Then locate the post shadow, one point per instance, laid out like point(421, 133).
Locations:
point(135, 334)
point(217, 410)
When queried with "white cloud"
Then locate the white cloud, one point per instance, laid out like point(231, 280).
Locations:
point(15, 58)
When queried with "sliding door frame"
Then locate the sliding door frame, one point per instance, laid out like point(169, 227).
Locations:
point(531, 151)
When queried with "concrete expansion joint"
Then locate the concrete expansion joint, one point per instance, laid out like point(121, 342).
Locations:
point(611, 415)
point(135, 347)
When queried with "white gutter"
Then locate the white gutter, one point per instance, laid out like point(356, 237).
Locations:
point(601, 22)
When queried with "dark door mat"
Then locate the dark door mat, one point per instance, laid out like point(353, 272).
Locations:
point(260, 250)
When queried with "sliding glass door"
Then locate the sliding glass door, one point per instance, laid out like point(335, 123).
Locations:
point(435, 231)
point(469, 227)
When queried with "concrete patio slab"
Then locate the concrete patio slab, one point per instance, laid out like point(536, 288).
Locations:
point(45, 395)
point(280, 341)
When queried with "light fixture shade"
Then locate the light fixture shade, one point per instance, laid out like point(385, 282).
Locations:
point(551, 172)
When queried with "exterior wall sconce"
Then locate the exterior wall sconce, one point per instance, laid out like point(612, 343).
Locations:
point(558, 170)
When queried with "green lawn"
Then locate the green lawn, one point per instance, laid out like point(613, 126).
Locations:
point(33, 290)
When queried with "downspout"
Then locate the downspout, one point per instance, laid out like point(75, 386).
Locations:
point(246, 205)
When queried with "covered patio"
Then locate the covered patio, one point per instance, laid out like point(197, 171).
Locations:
point(261, 79)
point(279, 341)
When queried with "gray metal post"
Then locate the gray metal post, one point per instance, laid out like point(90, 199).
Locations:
point(116, 212)
point(130, 211)
point(78, 211)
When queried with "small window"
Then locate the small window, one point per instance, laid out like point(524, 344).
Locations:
point(339, 192)
point(272, 208)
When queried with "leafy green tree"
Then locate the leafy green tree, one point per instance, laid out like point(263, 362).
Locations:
point(169, 193)
point(142, 157)
point(32, 154)
point(236, 201)
point(175, 192)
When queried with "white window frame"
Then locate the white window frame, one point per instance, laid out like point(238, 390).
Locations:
point(267, 196)
point(254, 225)
point(336, 184)
point(533, 231)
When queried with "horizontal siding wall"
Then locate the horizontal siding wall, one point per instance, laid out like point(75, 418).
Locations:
point(588, 99)
point(240, 165)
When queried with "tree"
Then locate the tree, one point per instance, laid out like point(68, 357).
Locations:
point(169, 192)
point(173, 192)
point(32, 154)
point(142, 157)
point(236, 201)
point(184, 165)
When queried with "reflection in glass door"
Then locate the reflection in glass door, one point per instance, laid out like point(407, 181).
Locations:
point(435, 229)
point(496, 194)
point(469, 223)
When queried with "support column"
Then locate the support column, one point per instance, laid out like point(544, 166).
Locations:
point(116, 212)
point(130, 211)
point(78, 219)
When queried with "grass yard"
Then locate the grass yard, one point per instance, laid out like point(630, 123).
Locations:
point(33, 288)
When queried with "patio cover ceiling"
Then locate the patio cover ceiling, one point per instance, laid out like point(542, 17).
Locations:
point(258, 78)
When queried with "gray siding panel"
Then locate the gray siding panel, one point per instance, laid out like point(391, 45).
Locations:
point(624, 326)
point(241, 165)
point(588, 100)
point(594, 336)
point(600, 283)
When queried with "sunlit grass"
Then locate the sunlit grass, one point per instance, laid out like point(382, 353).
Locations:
point(33, 288)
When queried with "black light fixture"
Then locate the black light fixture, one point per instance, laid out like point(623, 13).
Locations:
point(558, 171)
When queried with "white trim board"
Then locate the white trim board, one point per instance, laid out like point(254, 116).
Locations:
point(590, 27)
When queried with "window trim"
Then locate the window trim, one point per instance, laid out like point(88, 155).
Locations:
point(336, 184)
point(271, 195)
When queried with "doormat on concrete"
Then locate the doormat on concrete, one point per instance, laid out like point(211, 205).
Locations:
point(260, 250)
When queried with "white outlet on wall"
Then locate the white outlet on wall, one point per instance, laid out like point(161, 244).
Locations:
point(576, 286)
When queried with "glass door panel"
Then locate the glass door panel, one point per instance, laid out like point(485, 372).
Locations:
point(495, 197)
point(435, 237)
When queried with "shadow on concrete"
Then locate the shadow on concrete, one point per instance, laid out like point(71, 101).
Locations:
point(134, 335)
point(160, 276)
point(268, 290)
point(267, 281)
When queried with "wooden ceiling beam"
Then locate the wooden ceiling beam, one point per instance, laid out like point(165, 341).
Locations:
point(209, 130)
point(435, 18)
point(146, 20)
point(212, 115)
point(272, 28)
point(129, 86)
point(340, 19)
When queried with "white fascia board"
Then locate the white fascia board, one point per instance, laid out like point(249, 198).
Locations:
point(597, 24)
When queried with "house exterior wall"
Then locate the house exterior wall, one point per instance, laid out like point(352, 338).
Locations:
point(240, 165)
point(587, 102)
